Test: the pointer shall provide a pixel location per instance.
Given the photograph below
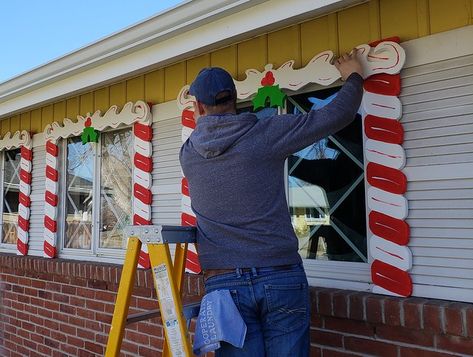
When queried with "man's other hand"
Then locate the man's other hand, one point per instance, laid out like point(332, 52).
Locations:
point(348, 64)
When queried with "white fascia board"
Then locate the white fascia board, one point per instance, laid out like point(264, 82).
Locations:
point(211, 30)
point(439, 47)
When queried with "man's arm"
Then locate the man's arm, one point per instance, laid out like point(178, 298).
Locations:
point(291, 133)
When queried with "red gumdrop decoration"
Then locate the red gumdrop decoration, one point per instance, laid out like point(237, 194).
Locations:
point(268, 79)
point(88, 122)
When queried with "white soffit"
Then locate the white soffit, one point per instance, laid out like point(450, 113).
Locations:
point(187, 29)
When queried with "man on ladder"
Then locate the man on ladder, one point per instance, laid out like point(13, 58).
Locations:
point(246, 243)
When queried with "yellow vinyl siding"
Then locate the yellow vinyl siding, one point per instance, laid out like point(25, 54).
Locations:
point(135, 89)
point(101, 99)
point(5, 126)
point(319, 35)
point(252, 53)
point(284, 45)
point(15, 123)
point(225, 58)
point(118, 94)
point(46, 115)
point(174, 80)
point(36, 125)
point(339, 32)
point(72, 108)
point(59, 111)
point(154, 86)
point(194, 66)
point(447, 15)
point(25, 121)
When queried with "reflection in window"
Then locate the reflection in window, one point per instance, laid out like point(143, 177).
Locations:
point(11, 188)
point(326, 190)
point(114, 202)
point(115, 190)
point(79, 194)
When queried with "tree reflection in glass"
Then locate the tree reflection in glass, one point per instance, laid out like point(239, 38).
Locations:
point(11, 186)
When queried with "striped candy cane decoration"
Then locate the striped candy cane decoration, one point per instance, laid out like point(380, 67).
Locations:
point(51, 199)
point(187, 215)
point(142, 181)
point(24, 200)
point(386, 185)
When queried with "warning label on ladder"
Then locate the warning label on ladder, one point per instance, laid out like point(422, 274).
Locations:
point(168, 310)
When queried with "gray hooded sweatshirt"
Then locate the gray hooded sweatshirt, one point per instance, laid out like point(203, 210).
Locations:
point(235, 168)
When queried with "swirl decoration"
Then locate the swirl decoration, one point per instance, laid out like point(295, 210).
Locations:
point(23, 141)
point(383, 135)
point(137, 114)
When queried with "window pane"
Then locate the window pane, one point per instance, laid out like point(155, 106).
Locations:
point(79, 194)
point(115, 188)
point(326, 192)
point(11, 188)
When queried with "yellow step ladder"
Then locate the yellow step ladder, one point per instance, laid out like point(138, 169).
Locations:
point(168, 279)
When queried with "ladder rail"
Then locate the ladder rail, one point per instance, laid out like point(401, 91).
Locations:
point(168, 281)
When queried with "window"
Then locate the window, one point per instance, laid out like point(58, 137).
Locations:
point(10, 192)
point(98, 192)
point(326, 191)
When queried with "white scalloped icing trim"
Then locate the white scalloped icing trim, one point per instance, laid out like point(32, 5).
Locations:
point(113, 117)
point(387, 57)
point(18, 139)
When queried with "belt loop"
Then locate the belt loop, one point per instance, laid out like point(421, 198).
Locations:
point(254, 272)
point(238, 272)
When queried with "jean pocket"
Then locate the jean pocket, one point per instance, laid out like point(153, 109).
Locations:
point(288, 306)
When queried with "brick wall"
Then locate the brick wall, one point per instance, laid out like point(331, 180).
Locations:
point(64, 308)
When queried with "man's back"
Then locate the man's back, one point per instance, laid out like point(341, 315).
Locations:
point(235, 168)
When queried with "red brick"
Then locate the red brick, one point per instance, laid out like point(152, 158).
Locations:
point(86, 334)
point(67, 309)
point(453, 320)
point(86, 293)
point(363, 345)
point(75, 341)
point(401, 334)
point(340, 304)
point(51, 343)
point(139, 338)
point(455, 344)
point(325, 302)
point(349, 326)
point(432, 315)
point(97, 284)
point(70, 350)
point(50, 305)
point(415, 352)
point(129, 347)
point(334, 353)
point(147, 352)
point(357, 306)
point(94, 347)
point(326, 338)
point(315, 351)
point(156, 342)
point(412, 308)
point(315, 320)
point(469, 321)
point(374, 309)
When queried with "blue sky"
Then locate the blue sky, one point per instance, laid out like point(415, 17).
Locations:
point(33, 32)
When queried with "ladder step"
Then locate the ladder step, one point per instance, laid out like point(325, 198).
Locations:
point(190, 311)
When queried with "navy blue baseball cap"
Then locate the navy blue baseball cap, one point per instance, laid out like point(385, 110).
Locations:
point(209, 83)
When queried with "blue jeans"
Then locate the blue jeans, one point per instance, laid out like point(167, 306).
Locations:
point(274, 303)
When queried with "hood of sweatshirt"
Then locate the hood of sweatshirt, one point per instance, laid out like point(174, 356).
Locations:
point(214, 134)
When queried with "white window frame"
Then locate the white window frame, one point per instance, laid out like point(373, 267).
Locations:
point(335, 274)
point(6, 247)
point(95, 253)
